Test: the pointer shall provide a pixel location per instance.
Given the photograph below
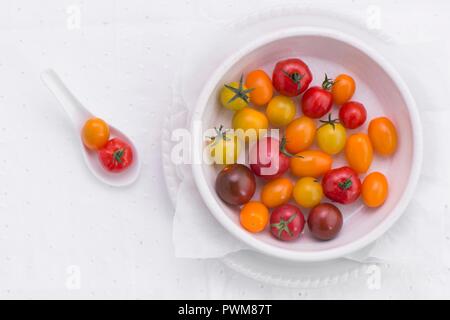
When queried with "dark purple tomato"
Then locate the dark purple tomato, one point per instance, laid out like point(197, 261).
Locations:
point(286, 222)
point(325, 221)
point(235, 184)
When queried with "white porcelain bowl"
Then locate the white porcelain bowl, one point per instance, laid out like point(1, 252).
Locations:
point(379, 88)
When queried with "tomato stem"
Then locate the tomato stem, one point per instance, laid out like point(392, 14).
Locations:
point(118, 154)
point(285, 152)
point(327, 83)
point(295, 77)
point(346, 184)
point(240, 92)
point(330, 121)
point(283, 225)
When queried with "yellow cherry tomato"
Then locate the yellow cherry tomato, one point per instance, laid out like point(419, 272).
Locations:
point(383, 136)
point(343, 89)
point(249, 122)
point(262, 87)
point(276, 192)
point(300, 134)
point(280, 111)
point(374, 189)
point(310, 163)
point(331, 136)
point(358, 152)
point(95, 134)
point(308, 192)
point(254, 216)
point(235, 95)
point(224, 147)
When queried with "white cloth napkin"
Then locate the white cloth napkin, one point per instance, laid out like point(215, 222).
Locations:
point(197, 234)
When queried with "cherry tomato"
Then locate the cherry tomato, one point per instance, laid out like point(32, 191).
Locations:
point(235, 184)
point(235, 95)
point(343, 89)
point(254, 216)
point(383, 136)
point(331, 136)
point(342, 185)
point(95, 134)
point(358, 152)
point(280, 111)
point(250, 123)
point(267, 160)
point(291, 77)
point(276, 192)
point(261, 84)
point(116, 155)
point(287, 222)
point(325, 221)
point(317, 101)
point(352, 114)
point(310, 163)
point(308, 192)
point(300, 134)
point(374, 189)
point(224, 147)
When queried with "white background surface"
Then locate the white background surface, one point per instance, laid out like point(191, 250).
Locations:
point(56, 220)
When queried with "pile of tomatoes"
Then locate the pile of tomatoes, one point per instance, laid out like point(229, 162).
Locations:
point(272, 159)
point(114, 154)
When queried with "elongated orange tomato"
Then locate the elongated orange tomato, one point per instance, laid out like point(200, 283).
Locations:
point(276, 192)
point(359, 153)
point(374, 189)
point(310, 163)
point(262, 87)
point(300, 134)
point(383, 136)
point(343, 89)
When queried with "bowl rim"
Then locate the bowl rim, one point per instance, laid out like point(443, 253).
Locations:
point(248, 238)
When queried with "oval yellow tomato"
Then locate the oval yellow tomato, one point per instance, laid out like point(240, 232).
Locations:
point(374, 189)
point(249, 122)
point(358, 152)
point(280, 111)
point(383, 136)
point(308, 192)
point(310, 163)
point(300, 134)
point(276, 192)
point(343, 89)
point(262, 87)
point(95, 134)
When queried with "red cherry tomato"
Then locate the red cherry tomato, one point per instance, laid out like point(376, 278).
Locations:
point(291, 77)
point(317, 101)
point(352, 114)
point(342, 185)
point(267, 160)
point(287, 222)
point(116, 155)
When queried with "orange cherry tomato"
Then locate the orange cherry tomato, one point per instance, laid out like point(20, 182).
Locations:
point(310, 163)
point(383, 136)
point(276, 192)
point(300, 134)
point(343, 89)
point(262, 87)
point(254, 216)
point(359, 153)
point(374, 189)
point(95, 133)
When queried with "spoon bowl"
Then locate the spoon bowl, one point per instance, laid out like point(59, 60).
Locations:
point(78, 115)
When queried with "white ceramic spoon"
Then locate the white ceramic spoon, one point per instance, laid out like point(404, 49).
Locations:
point(78, 114)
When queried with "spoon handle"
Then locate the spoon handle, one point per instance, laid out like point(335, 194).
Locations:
point(74, 109)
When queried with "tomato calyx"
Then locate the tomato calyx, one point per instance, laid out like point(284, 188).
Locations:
point(283, 225)
point(285, 152)
point(330, 121)
point(221, 134)
point(327, 83)
point(295, 78)
point(346, 184)
point(240, 92)
point(118, 155)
